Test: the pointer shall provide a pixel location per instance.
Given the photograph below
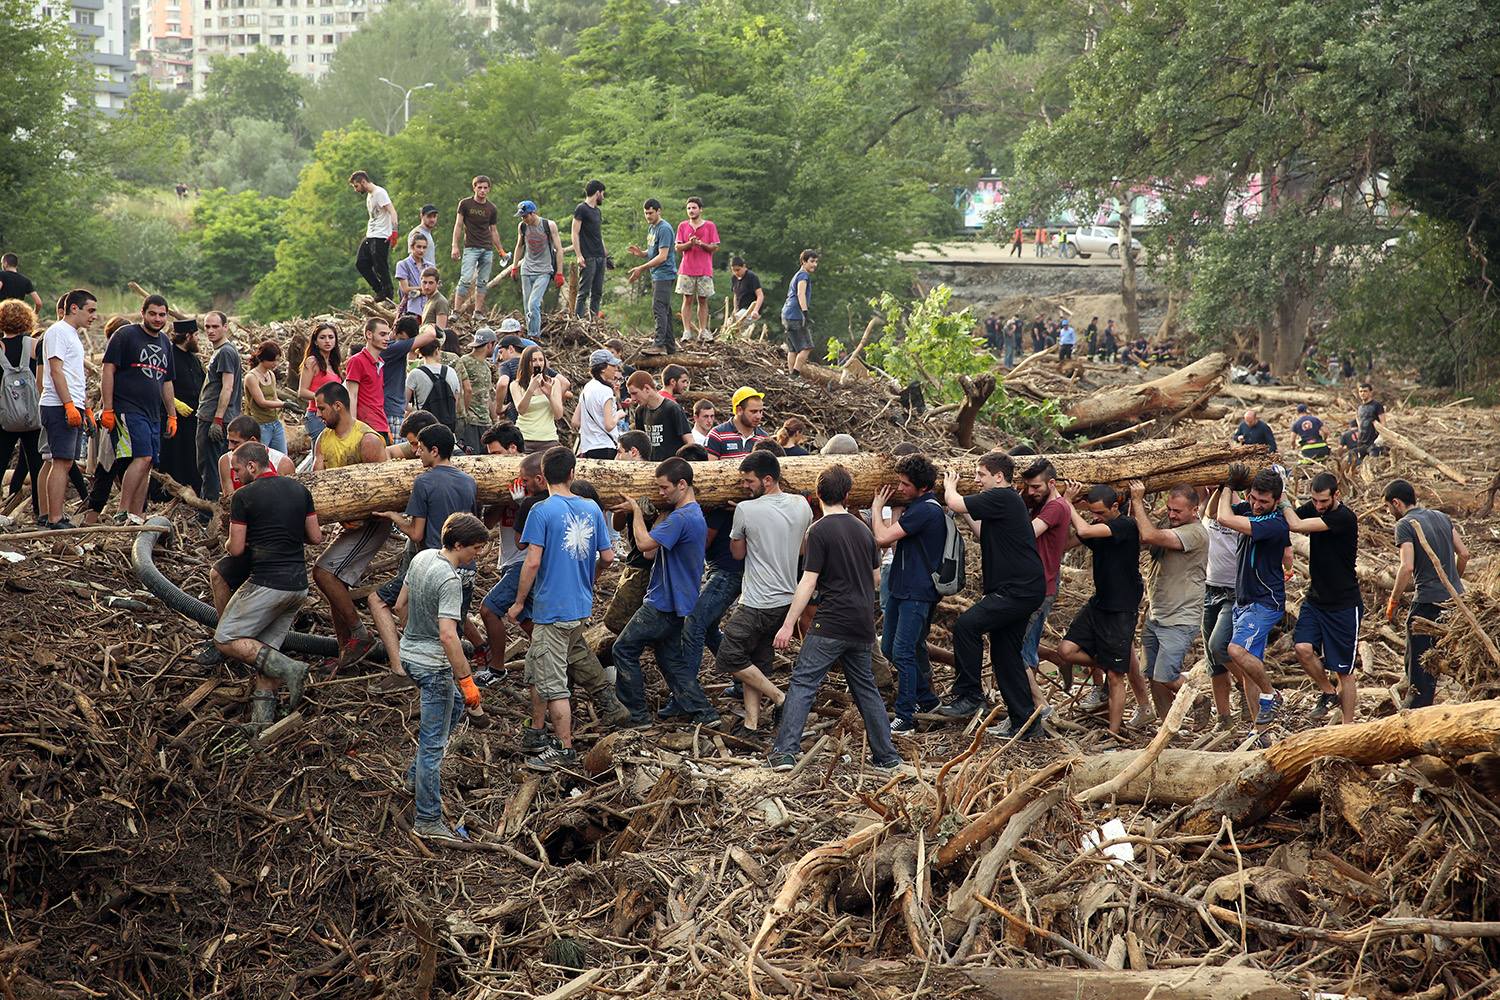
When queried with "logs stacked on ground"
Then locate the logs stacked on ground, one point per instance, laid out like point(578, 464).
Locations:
point(353, 492)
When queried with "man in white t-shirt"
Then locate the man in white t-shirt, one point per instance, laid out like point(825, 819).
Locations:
point(65, 415)
point(374, 259)
point(419, 384)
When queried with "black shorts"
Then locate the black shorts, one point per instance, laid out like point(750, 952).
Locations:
point(234, 570)
point(1104, 635)
point(749, 634)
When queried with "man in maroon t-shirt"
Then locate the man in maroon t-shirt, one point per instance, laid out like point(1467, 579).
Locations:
point(1050, 520)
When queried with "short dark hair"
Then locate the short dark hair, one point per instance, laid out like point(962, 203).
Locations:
point(636, 441)
point(429, 271)
point(253, 451)
point(463, 529)
point(1324, 482)
point(592, 187)
point(558, 464)
point(244, 426)
point(1400, 489)
point(586, 490)
point(416, 422)
point(505, 435)
point(736, 262)
point(761, 464)
point(834, 484)
point(429, 350)
point(677, 470)
point(1022, 451)
point(154, 300)
point(512, 341)
point(1366, 385)
point(703, 404)
point(224, 319)
point(695, 200)
point(1267, 481)
point(1103, 493)
point(77, 299)
point(9, 259)
point(693, 453)
point(998, 463)
point(531, 463)
point(408, 324)
point(905, 448)
point(334, 392)
point(268, 350)
point(1187, 492)
point(1040, 469)
point(439, 438)
point(919, 469)
point(479, 179)
point(358, 175)
point(652, 203)
point(374, 321)
point(671, 373)
point(808, 255)
point(769, 444)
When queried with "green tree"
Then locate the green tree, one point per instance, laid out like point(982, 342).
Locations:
point(259, 84)
point(251, 154)
point(47, 183)
point(237, 236)
point(410, 43)
point(324, 221)
point(142, 143)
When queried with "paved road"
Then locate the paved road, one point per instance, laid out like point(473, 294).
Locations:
point(968, 252)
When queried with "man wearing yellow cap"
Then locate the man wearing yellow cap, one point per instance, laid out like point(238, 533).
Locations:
point(737, 436)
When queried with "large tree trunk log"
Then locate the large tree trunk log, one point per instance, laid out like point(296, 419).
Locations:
point(1257, 791)
point(1131, 404)
point(355, 491)
point(1389, 436)
point(1282, 394)
point(1087, 984)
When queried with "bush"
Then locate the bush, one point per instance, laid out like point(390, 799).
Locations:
point(237, 236)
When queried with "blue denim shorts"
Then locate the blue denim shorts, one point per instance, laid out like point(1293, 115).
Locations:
point(1252, 627)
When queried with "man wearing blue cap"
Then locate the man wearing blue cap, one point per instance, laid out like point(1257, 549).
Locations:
point(538, 260)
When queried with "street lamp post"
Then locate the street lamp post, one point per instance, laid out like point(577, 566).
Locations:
point(406, 93)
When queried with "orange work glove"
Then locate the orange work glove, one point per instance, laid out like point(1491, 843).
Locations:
point(557, 279)
point(107, 419)
point(75, 419)
point(393, 239)
point(470, 692)
point(1390, 609)
point(171, 425)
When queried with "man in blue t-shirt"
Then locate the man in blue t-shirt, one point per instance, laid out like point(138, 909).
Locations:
point(918, 536)
point(408, 330)
point(796, 314)
point(675, 545)
point(1260, 582)
point(661, 260)
point(135, 384)
point(568, 546)
point(1308, 430)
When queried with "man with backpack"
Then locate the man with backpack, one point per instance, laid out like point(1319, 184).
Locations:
point(920, 536)
point(539, 249)
point(434, 387)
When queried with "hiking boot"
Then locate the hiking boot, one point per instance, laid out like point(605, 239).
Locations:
point(534, 741)
point(554, 758)
point(356, 648)
point(434, 829)
point(654, 350)
point(1326, 702)
point(960, 708)
point(1095, 700)
point(290, 672)
point(209, 655)
point(607, 706)
point(745, 733)
point(487, 678)
point(781, 761)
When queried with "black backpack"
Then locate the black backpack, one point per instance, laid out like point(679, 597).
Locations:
point(440, 402)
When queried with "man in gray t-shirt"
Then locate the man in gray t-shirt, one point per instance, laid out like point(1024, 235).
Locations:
point(767, 532)
point(434, 591)
point(218, 403)
point(1452, 554)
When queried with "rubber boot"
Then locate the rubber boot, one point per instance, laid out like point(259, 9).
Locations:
point(607, 706)
point(262, 709)
point(271, 663)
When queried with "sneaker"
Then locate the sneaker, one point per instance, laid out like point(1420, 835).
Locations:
point(900, 726)
point(409, 782)
point(554, 758)
point(1268, 712)
point(534, 741)
point(356, 648)
point(671, 711)
point(735, 690)
point(41, 521)
point(634, 721)
point(1094, 700)
point(960, 708)
point(887, 766)
point(209, 655)
point(434, 829)
point(653, 350)
point(1325, 703)
point(745, 733)
point(487, 678)
point(710, 719)
point(928, 707)
point(706, 337)
point(60, 525)
point(781, 761)
point(1141, 718)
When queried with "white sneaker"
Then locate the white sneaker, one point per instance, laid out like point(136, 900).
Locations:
point(1141, 718)
point(1094, 700)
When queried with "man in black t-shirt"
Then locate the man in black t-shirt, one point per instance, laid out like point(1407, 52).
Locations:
point(666, 426)
point(1014, 587)
point(14, 284)
point(843, 567)
point(1370, 417)
point(1328, 624)
point(588, 245)
point(271, 518)
point(1102, 634)
point(748, 294)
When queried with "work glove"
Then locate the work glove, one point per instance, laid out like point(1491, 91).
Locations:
point(183, 410)
point(171, 425)
point(75, 419)
point(88, 418)
point(106, 419)
point(1390, 609)
point(470, 692)
point(557, 279)
point(393, 239)
point(216, 431)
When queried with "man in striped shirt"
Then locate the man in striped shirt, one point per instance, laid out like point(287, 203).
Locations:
point(736, 437)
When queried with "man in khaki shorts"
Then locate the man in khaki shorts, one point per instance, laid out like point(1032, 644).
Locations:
point(697, 239)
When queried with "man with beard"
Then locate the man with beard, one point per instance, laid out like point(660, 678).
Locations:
point(135, 383)
point(179, 454)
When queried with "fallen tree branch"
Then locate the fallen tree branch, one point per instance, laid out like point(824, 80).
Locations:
point(1197, 682)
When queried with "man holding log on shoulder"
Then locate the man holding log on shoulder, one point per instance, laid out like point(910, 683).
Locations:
point(1328, 624)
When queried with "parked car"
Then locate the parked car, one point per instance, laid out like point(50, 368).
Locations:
point(1099, 239)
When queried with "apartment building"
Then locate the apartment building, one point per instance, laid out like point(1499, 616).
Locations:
point(305, 31)
point(104, 28)
point(164, 53)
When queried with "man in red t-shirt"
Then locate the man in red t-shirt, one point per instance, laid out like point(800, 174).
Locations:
point(365, 379)
point(1050, 521)
point(697, 239)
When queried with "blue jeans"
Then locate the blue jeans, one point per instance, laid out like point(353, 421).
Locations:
point(818, 654)
point(474, 270)
point(442, 706)
point(1033, 641)
point(702, 626)
point(273, 435)
point(904, 643)
point(533, 287)
point(663, 633)
point(1010, 353)
point(314, 425)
